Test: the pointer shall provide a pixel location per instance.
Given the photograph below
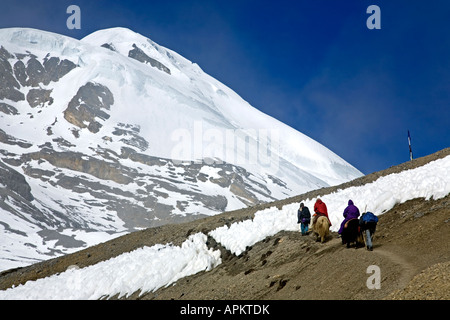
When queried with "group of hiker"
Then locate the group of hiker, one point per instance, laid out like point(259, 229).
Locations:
point(367, 221)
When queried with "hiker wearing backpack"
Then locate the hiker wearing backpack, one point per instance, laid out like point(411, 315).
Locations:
point(368, 223)
point(304, 218)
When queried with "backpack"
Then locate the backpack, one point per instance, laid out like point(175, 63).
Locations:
point(369, 217)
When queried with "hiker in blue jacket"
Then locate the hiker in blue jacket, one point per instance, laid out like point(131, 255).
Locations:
point(368, 223)
point(304, 218)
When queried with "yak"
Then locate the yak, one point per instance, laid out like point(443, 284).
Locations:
point(321, 228)
point(352, 233)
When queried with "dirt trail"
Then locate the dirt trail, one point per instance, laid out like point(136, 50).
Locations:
point(408, 270)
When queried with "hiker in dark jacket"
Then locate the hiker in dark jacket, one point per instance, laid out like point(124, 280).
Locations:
point(351, 212)
point(304, 218)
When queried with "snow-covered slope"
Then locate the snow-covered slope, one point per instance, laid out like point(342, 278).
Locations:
point(114, 132)
point(150, 268)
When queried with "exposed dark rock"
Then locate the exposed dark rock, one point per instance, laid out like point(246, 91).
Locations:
point(15, 182)
point(20, 71)
point(89, 103)
point(109, 46)
point(35, 71)
point(8, 139)
point(9, 88)
point(134, 140)
point(33, 74)
point(56, 69)
point(62, 240)
point(140, 56)
point(36, 97)
point(8, 109)
point(78, 162)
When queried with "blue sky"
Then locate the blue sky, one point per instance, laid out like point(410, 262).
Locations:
point(313, 65)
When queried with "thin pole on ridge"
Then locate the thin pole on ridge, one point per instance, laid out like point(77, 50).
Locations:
point(410, 149)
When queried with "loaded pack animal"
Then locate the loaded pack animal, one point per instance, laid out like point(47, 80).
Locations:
point(321, 223)
point(351, 233)
point(321, 228)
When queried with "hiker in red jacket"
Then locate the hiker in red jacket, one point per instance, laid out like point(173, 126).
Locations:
point(320, 208)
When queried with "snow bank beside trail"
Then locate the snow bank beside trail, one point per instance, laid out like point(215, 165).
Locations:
point(265, 223)
point(145, 269)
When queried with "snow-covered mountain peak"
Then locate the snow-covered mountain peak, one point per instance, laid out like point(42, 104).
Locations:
point(129, 43)
point(114, 133)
